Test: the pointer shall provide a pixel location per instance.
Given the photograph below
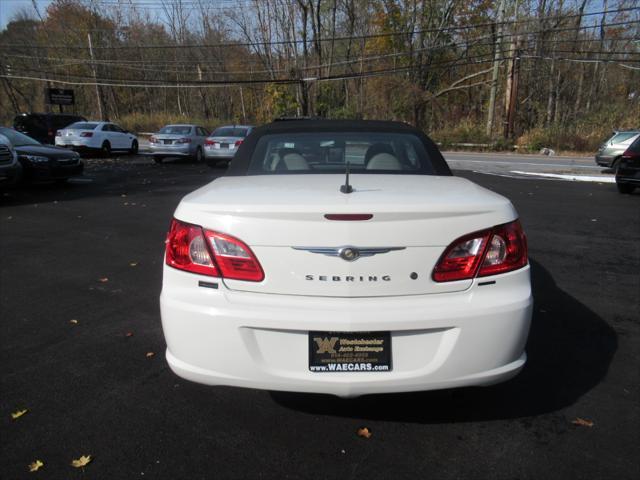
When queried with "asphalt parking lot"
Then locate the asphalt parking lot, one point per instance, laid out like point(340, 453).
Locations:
point(91, 252)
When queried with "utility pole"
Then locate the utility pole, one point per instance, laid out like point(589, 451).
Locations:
point(511, 93)
point(513, 72)
point(95, 79)
point(496, 66)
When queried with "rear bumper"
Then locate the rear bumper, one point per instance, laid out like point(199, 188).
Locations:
point(604, 160)
point(84, 144)
point(222, 337)
point(181, 150)
point(219, 153)
point(628, 176)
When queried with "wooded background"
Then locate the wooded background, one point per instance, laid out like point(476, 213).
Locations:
point(537, 73)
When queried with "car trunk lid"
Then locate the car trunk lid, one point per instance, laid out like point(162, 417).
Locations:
point(283, 219)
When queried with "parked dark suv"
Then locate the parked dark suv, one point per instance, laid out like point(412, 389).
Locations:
point(43, 126)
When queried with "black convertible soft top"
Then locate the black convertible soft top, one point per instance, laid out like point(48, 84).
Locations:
point(239, 166)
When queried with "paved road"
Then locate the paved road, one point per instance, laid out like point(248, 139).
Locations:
point(504, 163)
point(500, 163)
point(90, 388)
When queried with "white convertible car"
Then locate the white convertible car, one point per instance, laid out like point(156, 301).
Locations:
point(344, 258)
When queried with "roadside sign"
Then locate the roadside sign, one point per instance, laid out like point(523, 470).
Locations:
point(59, 96)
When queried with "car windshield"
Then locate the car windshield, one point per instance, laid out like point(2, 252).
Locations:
point(230, 132)
point(623, 136)
point(82, 126)
point(175, 130)
point(17, 139)
point(366, 152)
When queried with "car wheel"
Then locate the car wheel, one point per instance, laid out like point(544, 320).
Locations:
point(198, 157)
point(134, 148)
point(614, 164)
point(106, 148)
point(625, 188)
point(158, 159)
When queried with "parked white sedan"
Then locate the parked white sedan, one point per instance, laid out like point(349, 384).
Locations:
point(344, 258)
point(97, 136)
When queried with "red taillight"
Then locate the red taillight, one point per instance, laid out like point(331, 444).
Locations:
point(210, 142)
point(186, 249)
point(234, 258)
point(506, 251)
point(497, 250)
point(629, 154)
point(238, 143)
point(153, 139)
point(183, 140)
point(210, 253)
point(86, 134)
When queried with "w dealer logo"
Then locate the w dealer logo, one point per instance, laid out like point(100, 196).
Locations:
point(326, 345)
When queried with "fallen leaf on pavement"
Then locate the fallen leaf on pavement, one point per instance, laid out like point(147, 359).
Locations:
point(364, 432)
point(35, 466)
point(81, 462)
point(103, 280)
point(128, 334)
point(150, 354)
point(73, 321)
point(582, 422)
point(18, 414)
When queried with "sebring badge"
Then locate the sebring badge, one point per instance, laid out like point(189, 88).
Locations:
point(349, 253)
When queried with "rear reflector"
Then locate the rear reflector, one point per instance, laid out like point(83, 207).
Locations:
point(192, 249)
point(500, 249)
point(348, 216)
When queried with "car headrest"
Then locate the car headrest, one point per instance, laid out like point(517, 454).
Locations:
point(294, 161)
point(375, 149)
point(384, 161)
point(289, 159)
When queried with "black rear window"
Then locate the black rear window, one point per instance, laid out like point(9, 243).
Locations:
point(26, 121)
point(230, 132)
point(176, 130)
point(82, 126)
point(329, 152)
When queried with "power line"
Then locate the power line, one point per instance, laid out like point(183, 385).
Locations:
point(202, 84)
point(136, 83)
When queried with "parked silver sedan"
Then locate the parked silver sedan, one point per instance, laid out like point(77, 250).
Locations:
point(178, 141)
point(223, 143)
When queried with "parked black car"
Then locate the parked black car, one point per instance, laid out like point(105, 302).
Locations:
point(43, 162)
point(628, 169)
point(43, 126)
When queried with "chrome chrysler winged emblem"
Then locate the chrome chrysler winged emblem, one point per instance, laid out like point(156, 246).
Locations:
point(349, 253)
